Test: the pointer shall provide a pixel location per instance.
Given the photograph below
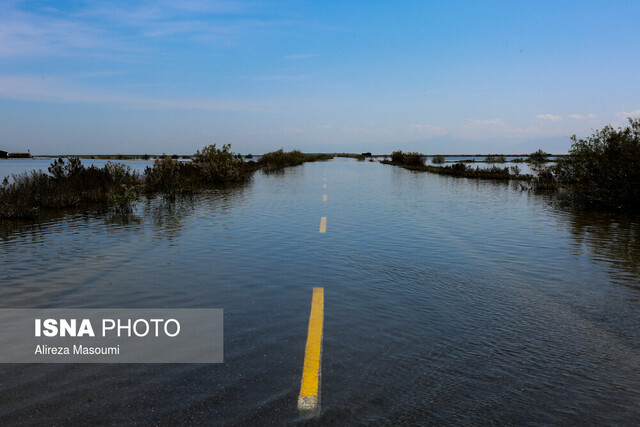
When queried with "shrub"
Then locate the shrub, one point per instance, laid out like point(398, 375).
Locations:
point(604, 169)
point(437, 159)
point(69, 184)
point(217, 165)
point(280, 159)
point(115, 186)
point(212, 154)
point(545, 180)
point(497, 158)
point(164, 176)
point(397, 156)
point(538, 157)
point(61, 170)
point(413, 159)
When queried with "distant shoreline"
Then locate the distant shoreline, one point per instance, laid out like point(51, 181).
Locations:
point(186, 156)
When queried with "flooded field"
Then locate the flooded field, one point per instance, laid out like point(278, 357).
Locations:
point(447, 301)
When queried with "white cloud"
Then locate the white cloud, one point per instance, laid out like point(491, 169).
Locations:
point(29, 88)
point(549, 117)
point(490, 122)
point(115, 29)
point(373, 130)
point(299, 131)
point(29, 34)
point(426, 128)
point(629, 114)
point(583, 117)
point(325, 127)
point(475, 129)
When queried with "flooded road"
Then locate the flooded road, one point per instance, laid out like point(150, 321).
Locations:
point(446, 301)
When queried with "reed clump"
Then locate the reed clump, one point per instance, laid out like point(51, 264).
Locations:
point(68, 185)
point(410, 160)
point(280, 159)
point(209, 166)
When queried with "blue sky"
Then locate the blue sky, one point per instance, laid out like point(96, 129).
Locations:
point(437, 77)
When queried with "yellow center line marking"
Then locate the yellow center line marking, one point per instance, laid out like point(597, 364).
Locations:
point(309, 399)
point(324, 179)
point(323, 224)
point(324, 185)
point(324, 197)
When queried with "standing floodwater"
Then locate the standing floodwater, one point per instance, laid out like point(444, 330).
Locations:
point(447, 300)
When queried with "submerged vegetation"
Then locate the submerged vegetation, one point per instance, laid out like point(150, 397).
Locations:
point(601, 171)
point(68, 185)
point(71, 185)
point(437, 159)
point(280, 159)
point(416, 162)
point(495, 158)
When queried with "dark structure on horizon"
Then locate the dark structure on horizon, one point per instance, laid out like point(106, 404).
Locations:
point(367, 154)
point(3, 154)
point(26, 155)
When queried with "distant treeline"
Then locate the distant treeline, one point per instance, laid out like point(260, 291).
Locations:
point(601, 171)
point(69, 184)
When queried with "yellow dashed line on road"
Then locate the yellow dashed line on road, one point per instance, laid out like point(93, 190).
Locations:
point(324, 185)
point(323, 224)
point(324, 197)
point(309, 399)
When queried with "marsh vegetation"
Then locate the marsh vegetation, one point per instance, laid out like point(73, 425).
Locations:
point(417, 162)
point(68, 184)
point(601, 171)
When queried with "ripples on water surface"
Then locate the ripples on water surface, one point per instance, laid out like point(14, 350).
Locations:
point(446, 301)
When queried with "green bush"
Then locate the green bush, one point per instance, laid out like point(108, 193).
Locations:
point(164, 176)
point(217, 165)
point(414, 159)
point(538, 157)
point(212, 154)
point(397, 156)
point(411, 159)
point(497, 158)
point(280, 159)
point(604, 169)
point(115, 186)
point(437, 159)
point(69, 184)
